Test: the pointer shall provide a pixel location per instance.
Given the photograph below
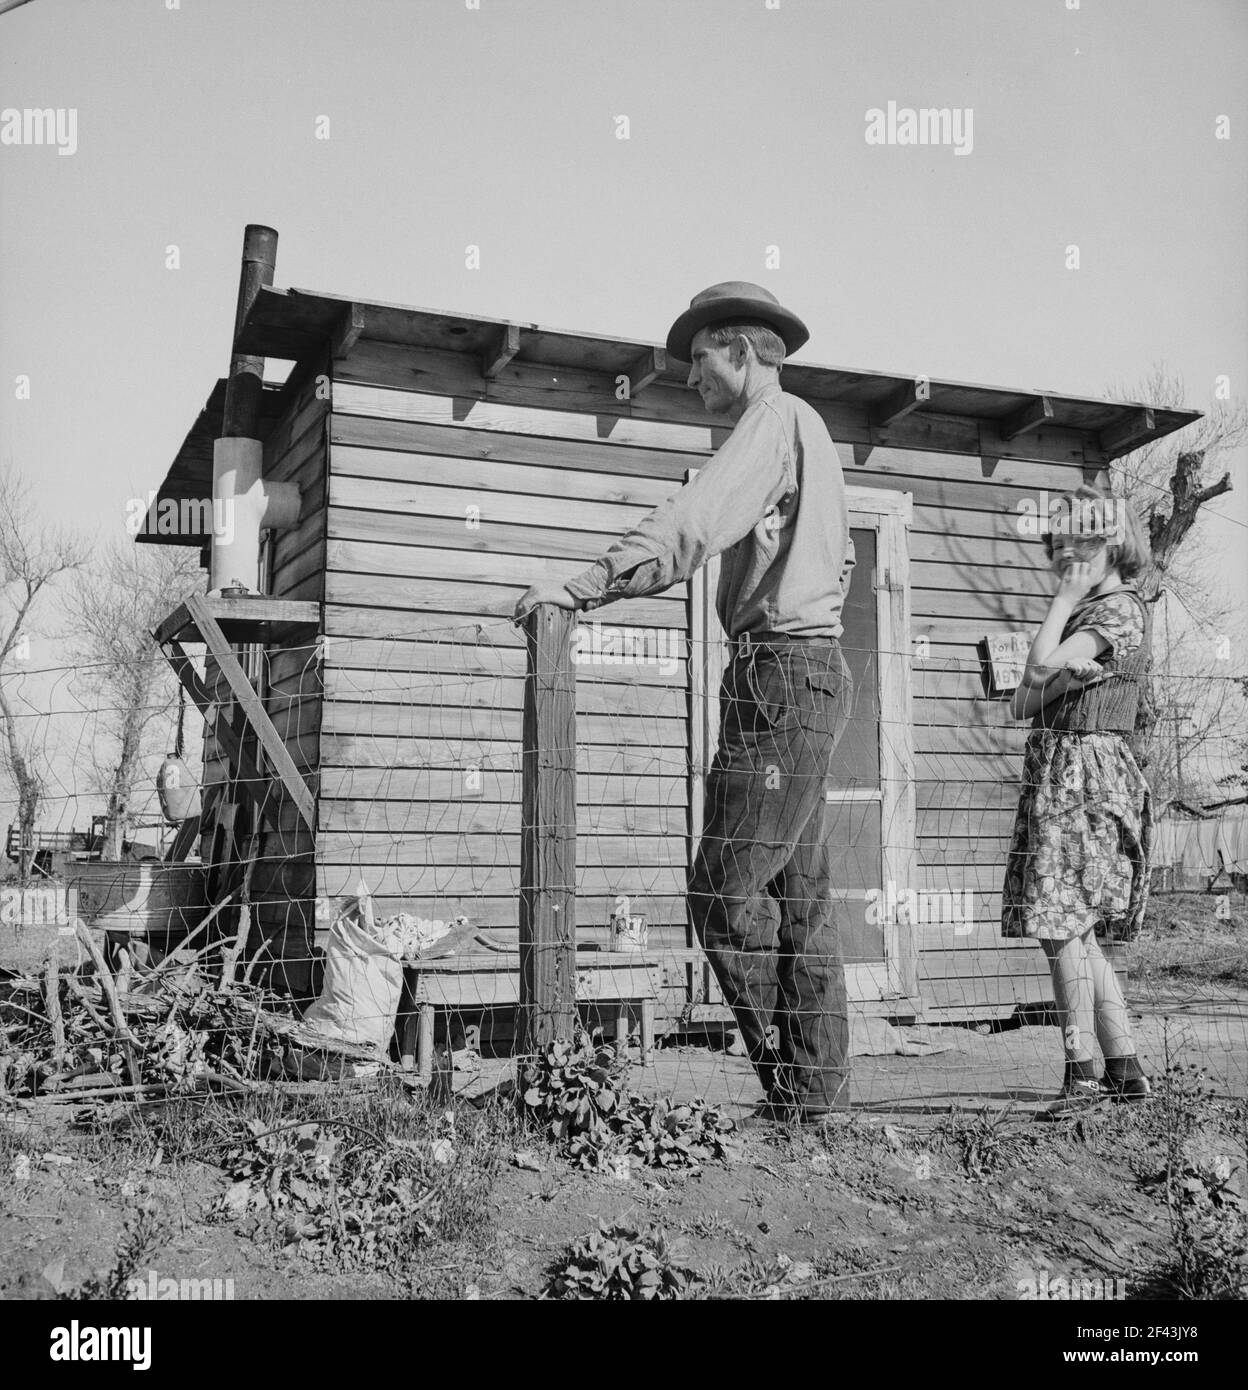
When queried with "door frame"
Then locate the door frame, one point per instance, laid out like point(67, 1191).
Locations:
point(894, 982)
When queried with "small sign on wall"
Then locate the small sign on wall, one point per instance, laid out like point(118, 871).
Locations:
point(1003, 658)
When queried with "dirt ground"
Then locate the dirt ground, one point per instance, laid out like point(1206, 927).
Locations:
point(947, 1181)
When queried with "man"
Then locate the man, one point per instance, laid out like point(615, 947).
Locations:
point(772, 500)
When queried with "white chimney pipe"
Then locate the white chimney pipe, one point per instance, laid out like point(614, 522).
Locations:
point(243, 505)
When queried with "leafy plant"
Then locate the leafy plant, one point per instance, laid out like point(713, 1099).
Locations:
point(575, 1094)
point(571, 1092)
point(619, 1263)
point(664, 1135)
point(358, 1200)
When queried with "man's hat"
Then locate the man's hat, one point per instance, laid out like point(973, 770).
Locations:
point(734, 300)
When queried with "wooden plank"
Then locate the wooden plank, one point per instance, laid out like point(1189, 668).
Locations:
point(533, 383)
point(548, 834)
point(501, 350)
point(963, 714)
point(646, 368)
point(487, 473)
point(347, 332)
point(502, 912)
point(1130, 431)
point(419, 721)
point(954, 577)
point(301, 661)
point(243, 613)
point(941, 825)
point(959, 878)
point(544, 542)
point(956, 769)
point(957, 549)
point(492, 851)
point(998, 610)
point(409, 561)
point(289, 545)
point(969, 739)
point(487, 694)
point(946, 853)
point(908, 397)
point(438, 751)
point(487, 509)
point(1028, 417)
point(965, 796)
point(251, 705)
point(379, 403)
point(460, 882)
point(497, 786)
point(473, 818)
point(349, 624)
point(945, 1000)
point(449, 441)
point(303, 461)
point(471, 658)
point(485, 600)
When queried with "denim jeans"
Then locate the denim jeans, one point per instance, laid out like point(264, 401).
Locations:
point(761, 894)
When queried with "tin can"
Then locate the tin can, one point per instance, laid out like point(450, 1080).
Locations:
point(629, 932)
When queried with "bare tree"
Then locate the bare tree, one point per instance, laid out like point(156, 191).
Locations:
point(1192, 707)
point(111, 614)
point(32, 555)
point(1170, 480)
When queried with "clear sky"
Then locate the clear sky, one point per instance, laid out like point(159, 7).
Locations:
point(497, 126)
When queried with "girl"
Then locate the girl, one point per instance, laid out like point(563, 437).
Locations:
point(1078, 861)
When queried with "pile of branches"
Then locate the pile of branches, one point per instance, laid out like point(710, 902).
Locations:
point(79, 1034)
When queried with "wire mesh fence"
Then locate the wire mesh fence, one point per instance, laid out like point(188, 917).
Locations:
point(388, 932)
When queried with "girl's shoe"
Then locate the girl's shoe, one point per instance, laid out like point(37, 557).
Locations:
point(1126, 1088)
point(1124, 1079)
point(1076, 1095)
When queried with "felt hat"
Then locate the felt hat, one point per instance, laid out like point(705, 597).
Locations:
point(734, 300)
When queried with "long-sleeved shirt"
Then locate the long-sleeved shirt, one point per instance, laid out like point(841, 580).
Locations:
point(772, 501)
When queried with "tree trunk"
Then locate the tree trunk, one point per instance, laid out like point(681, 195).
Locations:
point(29, 792)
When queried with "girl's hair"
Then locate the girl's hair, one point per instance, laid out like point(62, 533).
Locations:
point(1090, 511)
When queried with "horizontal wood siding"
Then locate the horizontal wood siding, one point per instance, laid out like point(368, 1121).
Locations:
point(433, 533)
point(449, 494)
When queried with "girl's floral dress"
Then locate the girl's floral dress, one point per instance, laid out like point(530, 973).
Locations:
point(1078, 858)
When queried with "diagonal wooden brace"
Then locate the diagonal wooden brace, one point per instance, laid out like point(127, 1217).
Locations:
point(253, 709)
point(240, 756)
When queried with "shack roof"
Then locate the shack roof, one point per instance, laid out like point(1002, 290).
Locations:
point(297, 325)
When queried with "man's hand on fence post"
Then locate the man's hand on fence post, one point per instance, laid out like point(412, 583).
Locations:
point(545, 591)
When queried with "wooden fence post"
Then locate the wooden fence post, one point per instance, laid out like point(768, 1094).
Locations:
point(548, 833)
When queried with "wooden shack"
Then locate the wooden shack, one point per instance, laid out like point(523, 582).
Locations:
point(445, 462)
